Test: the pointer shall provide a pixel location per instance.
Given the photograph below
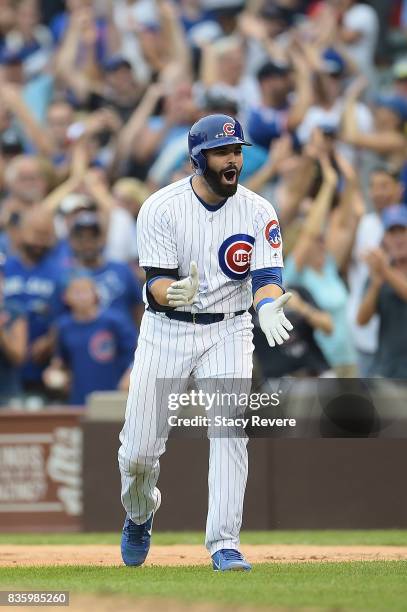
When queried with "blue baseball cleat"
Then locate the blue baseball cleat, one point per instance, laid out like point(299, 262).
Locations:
point(136, 539)
point(229, 559)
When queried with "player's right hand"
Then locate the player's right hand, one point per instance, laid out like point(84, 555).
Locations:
point(183, 292)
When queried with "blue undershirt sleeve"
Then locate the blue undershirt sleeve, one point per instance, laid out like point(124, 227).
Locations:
point(267, 276)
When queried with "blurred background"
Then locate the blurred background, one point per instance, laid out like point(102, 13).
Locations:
point(96, 99)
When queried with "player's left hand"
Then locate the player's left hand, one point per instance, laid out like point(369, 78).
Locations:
point(183, 292)
point(273, 321)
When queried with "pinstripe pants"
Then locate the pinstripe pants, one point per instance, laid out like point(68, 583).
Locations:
point(175, 350)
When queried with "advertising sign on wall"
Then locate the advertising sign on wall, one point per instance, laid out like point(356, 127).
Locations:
point(41, 471)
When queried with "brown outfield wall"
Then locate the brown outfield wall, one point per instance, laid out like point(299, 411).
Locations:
point(329, 483)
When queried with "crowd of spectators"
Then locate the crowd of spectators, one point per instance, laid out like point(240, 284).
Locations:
point(96, 99)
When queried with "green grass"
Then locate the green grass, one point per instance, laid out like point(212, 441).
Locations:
point(390, 537)
point(374, 585)
point(358, 586)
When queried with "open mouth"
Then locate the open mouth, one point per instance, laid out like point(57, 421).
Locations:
point(230, 175)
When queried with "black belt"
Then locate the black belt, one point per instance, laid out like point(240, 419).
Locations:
point(203, 318)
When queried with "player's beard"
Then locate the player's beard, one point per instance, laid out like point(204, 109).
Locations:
point(214, 180)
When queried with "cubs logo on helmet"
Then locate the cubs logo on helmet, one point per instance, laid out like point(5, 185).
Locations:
point(102, 346)
point(272, 233)
point(234, 256)
point(229, 129)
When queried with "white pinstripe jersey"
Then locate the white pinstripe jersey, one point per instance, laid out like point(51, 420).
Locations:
point(175, 228)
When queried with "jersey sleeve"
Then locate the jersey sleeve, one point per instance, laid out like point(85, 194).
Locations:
point(156, 237)
point(268, 247)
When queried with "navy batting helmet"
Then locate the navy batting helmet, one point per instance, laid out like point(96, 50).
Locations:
point(211, 132)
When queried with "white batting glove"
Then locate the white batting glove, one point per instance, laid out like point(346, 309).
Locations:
point(273, 321)
point(183, 292)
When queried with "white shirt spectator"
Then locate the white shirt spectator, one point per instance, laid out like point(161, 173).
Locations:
point(128, 18)
point(36, 62)
point(369, 236)
point(317, 116)
point(363, 19)
point(121, 240)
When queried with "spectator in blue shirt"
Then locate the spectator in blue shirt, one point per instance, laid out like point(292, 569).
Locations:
point(270, 120)
point(61, 22)
point(13, 347)
point(281, 108)
point(32, 280)
point(117, 286)
point(95, 346)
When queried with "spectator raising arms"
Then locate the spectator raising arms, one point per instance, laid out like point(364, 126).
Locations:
point(388, 139)
point(278, 112)
point(315, 263)
point(358, 28)
point(385, 189)
point(96, 101)
point(30, 37)
point(386, 295)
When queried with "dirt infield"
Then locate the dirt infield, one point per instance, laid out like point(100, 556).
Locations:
point(179, 555)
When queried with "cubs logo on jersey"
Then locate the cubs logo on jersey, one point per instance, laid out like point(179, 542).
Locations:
point(234, 256)
point(102, 346)
point(272, 233)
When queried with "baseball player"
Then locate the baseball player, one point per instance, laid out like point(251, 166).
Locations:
point(210, 248)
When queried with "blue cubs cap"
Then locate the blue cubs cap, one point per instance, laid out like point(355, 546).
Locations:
point(272, 69)
point(115, 62)
point(272, 12)
point(395, 215)
point(397, 104)
point(332, 62)
point(211, 132)
point(86, 220)
point(9, 57)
